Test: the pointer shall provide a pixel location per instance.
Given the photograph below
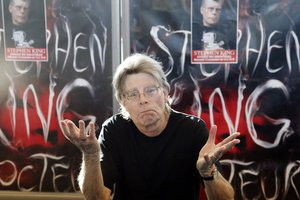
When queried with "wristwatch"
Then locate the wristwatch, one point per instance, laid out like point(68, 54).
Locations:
point(214, 173)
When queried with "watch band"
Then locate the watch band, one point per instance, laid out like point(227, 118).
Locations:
point(211, 177)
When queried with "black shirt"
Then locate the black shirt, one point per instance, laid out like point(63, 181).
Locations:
point(32, 34)
point(223, 35)
point(152, 168)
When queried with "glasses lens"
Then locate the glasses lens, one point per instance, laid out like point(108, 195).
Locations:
point(212, 9)
point(150, 91)
point(132, 95)
point(135, 94)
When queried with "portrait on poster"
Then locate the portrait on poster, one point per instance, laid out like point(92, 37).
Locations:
point(214, 31)
point(24, 24)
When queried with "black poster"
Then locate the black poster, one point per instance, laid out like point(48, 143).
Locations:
point(257, 96)
point(74, 82)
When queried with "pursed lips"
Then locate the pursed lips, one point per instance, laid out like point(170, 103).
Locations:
point(145, 112)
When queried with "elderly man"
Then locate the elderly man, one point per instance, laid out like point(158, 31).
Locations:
point(211, 33)
point(148, 150)
point(23, 31)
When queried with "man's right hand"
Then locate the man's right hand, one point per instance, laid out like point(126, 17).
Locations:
point(86, 142)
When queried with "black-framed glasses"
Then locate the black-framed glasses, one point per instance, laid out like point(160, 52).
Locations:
point(148, 92)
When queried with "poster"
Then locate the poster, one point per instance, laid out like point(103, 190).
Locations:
point(35, 95)
point(24, 30)
point(258, 96)
point(214, 31)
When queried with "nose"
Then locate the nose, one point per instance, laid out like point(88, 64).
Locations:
point(143, 98)
point(23, 9)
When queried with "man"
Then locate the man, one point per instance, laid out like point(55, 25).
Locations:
point(211, 33)
point(20, 30)
point(149, 151)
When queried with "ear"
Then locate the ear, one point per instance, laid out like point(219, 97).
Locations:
point(10, 8)
point(122, 102)
point(166, 94)
point(201, 10)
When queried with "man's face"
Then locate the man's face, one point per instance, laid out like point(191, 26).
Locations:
point(146, 110)
point(211, 10)
point(19, 12)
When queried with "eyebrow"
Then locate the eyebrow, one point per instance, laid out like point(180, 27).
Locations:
point(136, 89)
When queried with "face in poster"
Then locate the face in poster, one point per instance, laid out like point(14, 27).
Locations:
point(24, 30)
point(214, 31)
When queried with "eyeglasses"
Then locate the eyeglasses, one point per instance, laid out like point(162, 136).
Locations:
point(212, 9)
point(21, 8)
point(148, 92)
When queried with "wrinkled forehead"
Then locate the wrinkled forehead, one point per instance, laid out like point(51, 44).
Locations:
point(24, 3)
point(212, 3)
point(139, 80)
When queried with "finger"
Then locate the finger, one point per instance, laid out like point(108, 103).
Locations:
point(72, 129)
point(92, 133)
point(220, 151)
point(229, 138)
point(64, 128)
point(82, 133)
point(214, 158)
point(207, 159)
point(211, 159)
point(212, 134)
point(230, 144)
